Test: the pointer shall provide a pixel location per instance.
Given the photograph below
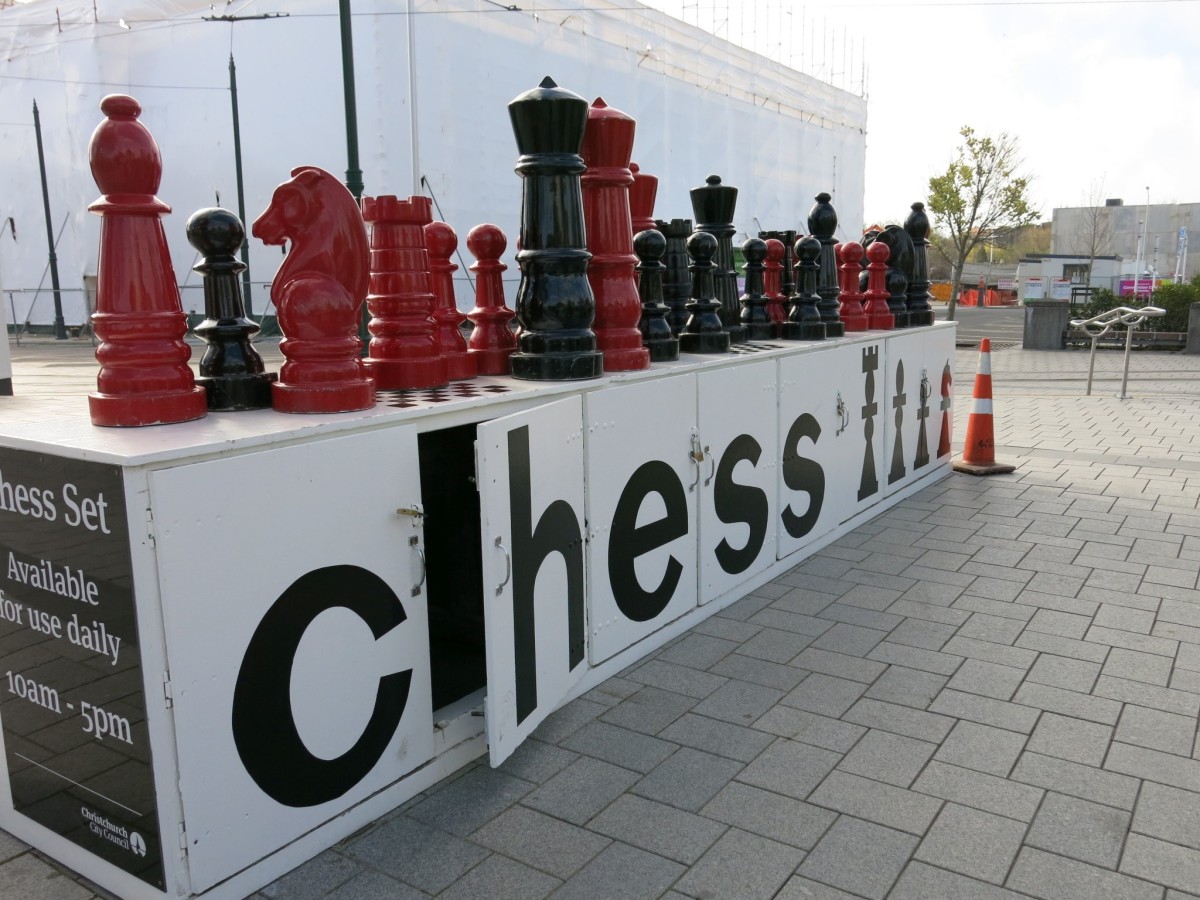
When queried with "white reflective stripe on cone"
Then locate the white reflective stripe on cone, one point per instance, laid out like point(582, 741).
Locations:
point(985, 364)
point(982, 405)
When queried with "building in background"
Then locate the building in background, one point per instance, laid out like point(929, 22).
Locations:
point(1156, 235)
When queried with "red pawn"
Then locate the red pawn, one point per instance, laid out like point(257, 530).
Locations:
point(492, 341)
point(850, 311)
point(772, 281)
point(318, 294)
point(642, 194)
point(612, 270)
point(404, 349)
point(441, 242)
point(876, 308)
point(144, 375)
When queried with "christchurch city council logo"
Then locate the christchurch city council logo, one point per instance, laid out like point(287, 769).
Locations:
point(137, 843)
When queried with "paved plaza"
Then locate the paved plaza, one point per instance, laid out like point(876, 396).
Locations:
point(989, 691)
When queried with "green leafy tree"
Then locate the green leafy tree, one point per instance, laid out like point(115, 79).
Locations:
point(979, 194)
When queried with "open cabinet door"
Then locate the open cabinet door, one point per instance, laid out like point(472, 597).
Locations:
point(529, 468)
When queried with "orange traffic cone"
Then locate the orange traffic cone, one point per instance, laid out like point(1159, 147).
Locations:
point(979, 451)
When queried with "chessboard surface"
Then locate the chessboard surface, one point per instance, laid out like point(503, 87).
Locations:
point(459, 390)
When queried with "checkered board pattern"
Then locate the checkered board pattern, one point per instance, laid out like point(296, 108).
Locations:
point(753, 347)
point(459, 390)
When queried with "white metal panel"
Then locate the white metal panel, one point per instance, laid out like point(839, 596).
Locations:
point(530, 474)
point(907, 391)
point(739, 413)
point(830, 439)
point(940, 355)
point(643, 488)
point(298, 652)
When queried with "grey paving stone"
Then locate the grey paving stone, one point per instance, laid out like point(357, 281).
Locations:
point(922, 882)
point(864, 618)
point(810, 728)
point(1061, 646)
point(315, 878)
point(697, 651)
point(10, 846)
point(621, 872)
point(860, 857)
point(921, 633)
point(541, 841)
point(739, 702)
point(761, 596)
point(370, 885)
point(537, 762)
point(988, 651)
point(498, 878)
point(725, 627)
point(839, 665)
point(649, 711)
point(1180, 611)
point(869, 596)
point(1074, 739)
point(1157, 730)
point(427, 858)
point(916, 658)
point(613, 691)
point(913, 723)
point(581, 790)
point(790, 768)
point(799, 888)
point(741, 865)
point(887, 757)
point(770, 814)
point(1182, 702)
point(1063, 624)
point(775, 645)
point(1154, 765)
point(997, 630)
point(988, 679)
point(1189, 657)
point(985, 710)
point(1169, 864)
point(804, 602)
point(782, 620)
point(1069, 703)
point(825, 694)
point(1185, 680)
point(1003, 608)
point(979, 790)
point(1052, 877)
point(741, 667)
point(876, 802)
point(1076, 779)
point(1124, 618)
point(995, 589)
point(1079, 829)
point(678, 679)
point(688, 779)
point(564, 722)
point(972, 842)
point(1169, 814)
point(908, 687)
point(853, 640)
point(930, 603)
point(982, 748)
point(467, 802)
point(619, 746)
point(1131, 641)
point(1062, 672)
point(664, 830)
point(721, 738)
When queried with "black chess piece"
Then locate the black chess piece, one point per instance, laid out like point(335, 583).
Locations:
point(869, 483)
point(677, 283)
point(898, 469)
point(713, 204)
point(703, 332)
point(555, 304)
point(900, 263)
point(804, 319)
point(231, 370)
point(822, 223)
point(917, 297)
point(656, 330)
point(755, 317)
point(922, 457)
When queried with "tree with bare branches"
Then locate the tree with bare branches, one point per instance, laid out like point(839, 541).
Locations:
point(978, 195)
point(1095, 230)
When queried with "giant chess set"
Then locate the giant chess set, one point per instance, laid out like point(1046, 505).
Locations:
point(245, 613)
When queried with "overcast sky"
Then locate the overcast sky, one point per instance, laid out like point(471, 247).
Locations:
point(1103, 96)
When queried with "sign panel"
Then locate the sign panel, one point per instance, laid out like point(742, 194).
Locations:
point(1060, 289)
point(1144, 286)
point(72, 699)
point(297, 637)
point(530, 478)
point(1035, 288)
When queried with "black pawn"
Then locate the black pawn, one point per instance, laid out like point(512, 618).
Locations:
point(713, 205)
point(804, 319)
point(677, 283)
point(555, 304)
point(231, 371)
point(822, 223)
point(917, 298)
point(656, 330)
point(703, 332)
point(755, 317)
point(898, 469)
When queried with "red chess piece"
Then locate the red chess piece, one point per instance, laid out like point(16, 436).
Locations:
point(642, 194)
point(318, 294)
point(441, 242)
point(404, 347)
point(850, 307)
point(612, 270)
point(772, 282)
point(876, 308)
point(492, 341)
point(144, 375)
point(944, 438)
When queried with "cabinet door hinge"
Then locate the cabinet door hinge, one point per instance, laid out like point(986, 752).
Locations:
point(183, 847)
point(167, 695)
point(150, 525)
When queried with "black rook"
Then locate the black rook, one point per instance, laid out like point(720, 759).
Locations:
point(677, 283)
